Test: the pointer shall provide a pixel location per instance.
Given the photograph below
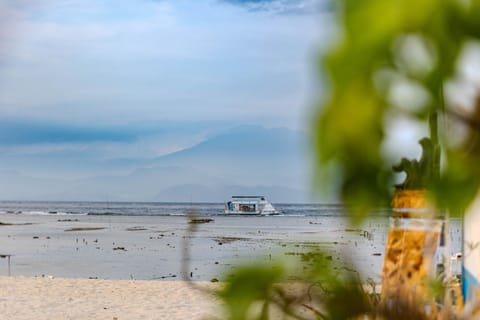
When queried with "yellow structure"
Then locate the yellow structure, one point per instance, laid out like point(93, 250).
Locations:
point(412, 241)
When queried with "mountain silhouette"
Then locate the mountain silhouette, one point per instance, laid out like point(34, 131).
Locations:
point(242, 160)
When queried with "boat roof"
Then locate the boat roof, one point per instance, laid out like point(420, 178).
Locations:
point(248, 197)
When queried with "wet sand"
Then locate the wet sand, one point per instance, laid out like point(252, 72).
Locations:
point(150, 248)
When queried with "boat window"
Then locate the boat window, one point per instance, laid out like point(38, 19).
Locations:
point(247, 208)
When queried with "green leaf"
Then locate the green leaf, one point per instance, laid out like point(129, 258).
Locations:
point(249, 285)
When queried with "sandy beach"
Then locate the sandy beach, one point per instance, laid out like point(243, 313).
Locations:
point(26, 298)
point(44, 298)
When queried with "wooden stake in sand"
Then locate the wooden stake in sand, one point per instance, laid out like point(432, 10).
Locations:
point(3, 256)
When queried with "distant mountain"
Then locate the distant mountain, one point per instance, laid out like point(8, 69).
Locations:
point(201, 193)
point(248, 155)
point(243, 160)
point(242, 142)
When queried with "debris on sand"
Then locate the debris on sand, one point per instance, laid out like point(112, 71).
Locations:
point(200, 220)
point(136, 229)
point(15, 224)
point(84, 229)
point(222, 240)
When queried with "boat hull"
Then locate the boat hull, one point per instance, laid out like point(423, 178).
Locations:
point(237, 213)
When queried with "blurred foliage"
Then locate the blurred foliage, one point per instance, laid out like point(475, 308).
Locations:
point(252, 284)
point(325, 289)
point(382, 45)
point(260, 292)
point(421, 174)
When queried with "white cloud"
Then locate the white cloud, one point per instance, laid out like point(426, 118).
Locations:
point(280, 6)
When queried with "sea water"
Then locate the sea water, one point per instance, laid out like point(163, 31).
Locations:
point(150, 208)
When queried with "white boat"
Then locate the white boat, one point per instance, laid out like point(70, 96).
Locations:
point(249, 205)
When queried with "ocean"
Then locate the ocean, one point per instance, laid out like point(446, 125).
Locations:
point(150, 208)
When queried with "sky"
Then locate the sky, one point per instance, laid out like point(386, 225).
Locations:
point(102, 80)
point(143, 61)
point(85, 84)
point(89, 71)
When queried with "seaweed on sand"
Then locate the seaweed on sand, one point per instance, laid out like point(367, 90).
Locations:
point(84, 229)
point(200, 220)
